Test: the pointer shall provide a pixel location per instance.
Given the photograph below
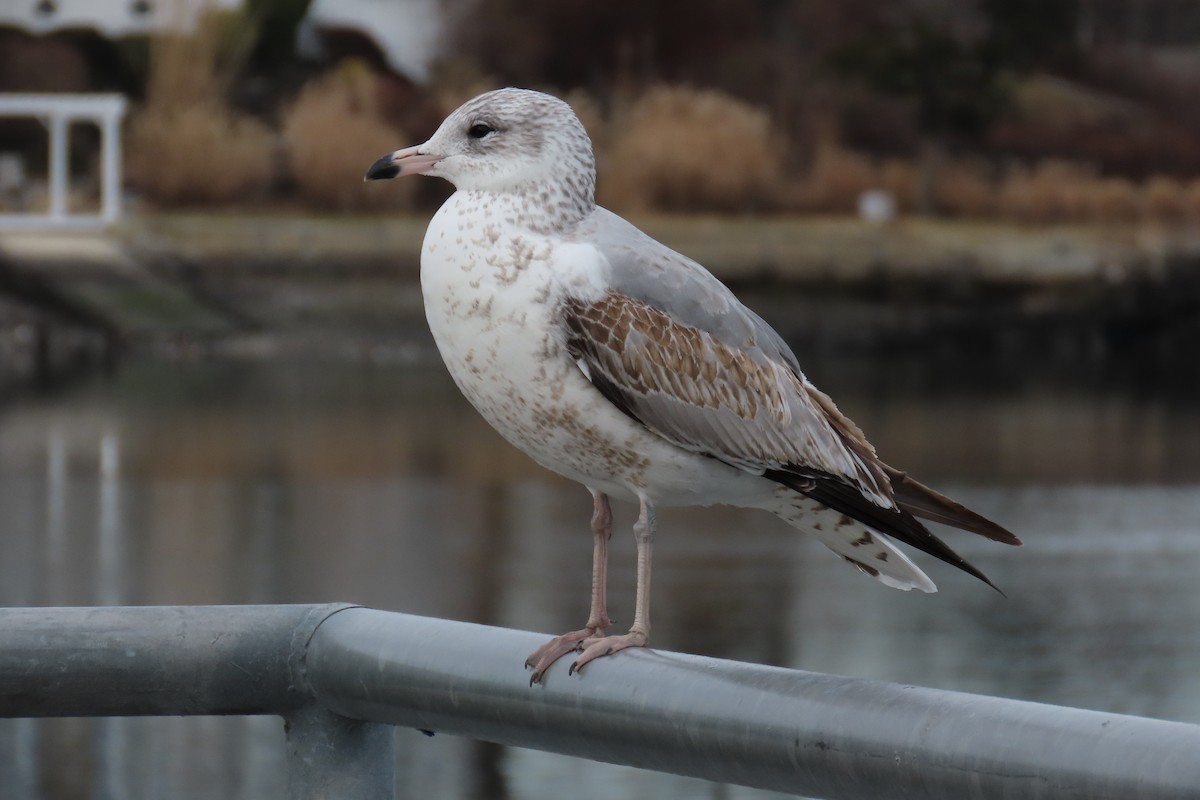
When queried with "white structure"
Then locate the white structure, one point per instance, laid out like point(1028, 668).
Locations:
point(876, 205)
point(109, 17)
point(57, 112)
point(407, 32)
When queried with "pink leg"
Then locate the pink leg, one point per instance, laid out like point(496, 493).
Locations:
point(599, 646)
point(598, 622)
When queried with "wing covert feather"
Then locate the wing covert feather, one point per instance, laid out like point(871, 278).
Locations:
point(736, 404)
point(673, 347)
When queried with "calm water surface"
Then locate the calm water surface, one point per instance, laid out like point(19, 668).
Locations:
point(251, 482)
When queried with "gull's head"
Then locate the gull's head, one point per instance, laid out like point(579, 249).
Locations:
point(508, 140)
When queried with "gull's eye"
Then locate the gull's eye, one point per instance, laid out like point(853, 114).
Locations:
point(479, 130)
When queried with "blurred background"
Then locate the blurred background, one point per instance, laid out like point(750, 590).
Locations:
point(977, 223)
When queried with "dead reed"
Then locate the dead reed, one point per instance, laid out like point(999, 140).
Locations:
point(185, 144)
point(836, 178)
point(671, 148)
point(682, 149)
point(199, 155)
point(331, 132)
point(963, 189)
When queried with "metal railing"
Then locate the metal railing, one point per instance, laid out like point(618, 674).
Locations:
point(341, 676)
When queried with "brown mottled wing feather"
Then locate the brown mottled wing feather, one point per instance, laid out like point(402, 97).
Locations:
point(735, 404)
point(672, 347)
point(742, 407)
point(688, 296)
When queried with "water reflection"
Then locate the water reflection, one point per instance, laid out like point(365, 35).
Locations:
point(227, 482)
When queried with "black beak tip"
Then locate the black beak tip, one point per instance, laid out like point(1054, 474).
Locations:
point(382, 169)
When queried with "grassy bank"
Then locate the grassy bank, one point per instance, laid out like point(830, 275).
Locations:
point(267, 283)
point(791, 250)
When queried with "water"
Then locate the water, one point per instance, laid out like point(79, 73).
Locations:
point(251, 482)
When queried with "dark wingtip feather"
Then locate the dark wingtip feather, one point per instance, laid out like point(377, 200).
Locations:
point(919, 500)
point(898, 523)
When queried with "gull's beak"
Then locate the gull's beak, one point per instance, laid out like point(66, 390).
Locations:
point(409, 161)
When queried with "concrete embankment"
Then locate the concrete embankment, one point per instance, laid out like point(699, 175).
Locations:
point(269, 282)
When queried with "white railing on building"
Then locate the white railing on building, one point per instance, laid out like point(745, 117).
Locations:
point(57, 112)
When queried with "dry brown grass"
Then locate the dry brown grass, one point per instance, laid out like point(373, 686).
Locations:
point(683, 149)
point(1191, 199)
point(1115, 200)
point(901, 179)
point(965, 190)
point(185, 145)
point(199, 154)
point(837, 178)
point(1057, 191)
point(1165, 199)
point(332, 132)
point(1052, 191)
point(1048, 192)
point(670, 149)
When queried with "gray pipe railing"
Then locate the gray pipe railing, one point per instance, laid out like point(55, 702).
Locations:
point(342, 675)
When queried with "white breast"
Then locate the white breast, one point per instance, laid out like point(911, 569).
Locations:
point(491, 294)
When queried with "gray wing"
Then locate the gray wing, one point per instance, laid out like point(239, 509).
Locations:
point(672, 347)
point(647, 270)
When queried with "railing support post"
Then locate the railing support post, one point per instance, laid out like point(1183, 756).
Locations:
point(110, 165)
point(59, 166)
point(332, 756)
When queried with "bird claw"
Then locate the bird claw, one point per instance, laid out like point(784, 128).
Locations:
point(601, 646)
point(541, 659)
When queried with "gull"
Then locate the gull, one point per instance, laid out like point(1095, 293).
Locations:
point(621, 364)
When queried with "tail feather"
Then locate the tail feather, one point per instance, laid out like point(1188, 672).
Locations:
point(895, 522)
point(866, 550)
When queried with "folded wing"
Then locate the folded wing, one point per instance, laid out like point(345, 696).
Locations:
point(673, 348)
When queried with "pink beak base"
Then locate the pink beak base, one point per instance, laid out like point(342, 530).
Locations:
point(402, 162)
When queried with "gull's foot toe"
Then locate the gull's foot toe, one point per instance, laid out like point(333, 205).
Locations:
point(541, 659)
point(601, 646)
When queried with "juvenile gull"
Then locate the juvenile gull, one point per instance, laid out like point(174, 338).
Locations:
point(615, 361)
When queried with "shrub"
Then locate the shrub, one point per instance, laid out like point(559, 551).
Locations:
point(1053, 191)
point(332, 133)
point(1115, 200)
point(901, 179)
point(1191, 199)
point(838, 177)
point(1165, 199)
point(199, 154)
point(1018, 199)
point(683, 149)
point(186, 145)
point(964, 190)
